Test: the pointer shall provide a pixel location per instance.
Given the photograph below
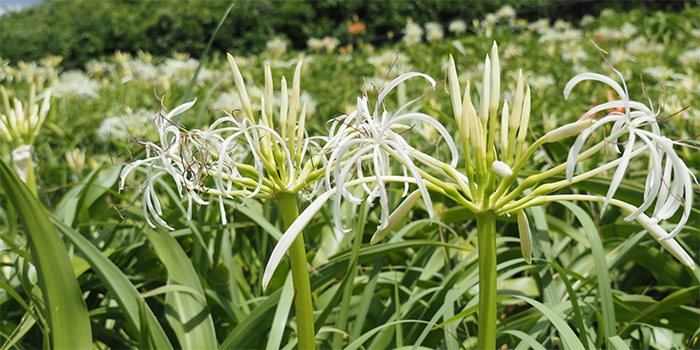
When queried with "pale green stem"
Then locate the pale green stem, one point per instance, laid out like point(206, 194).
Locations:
point(300, 274)
point(486, 228)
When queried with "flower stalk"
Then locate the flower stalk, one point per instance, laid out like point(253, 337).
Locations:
point(300, 274)
point(486, 236)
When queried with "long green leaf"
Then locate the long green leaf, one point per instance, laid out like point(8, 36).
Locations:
point(188, 315)
point(249, 331)
point(67, 312)
point(117, 283)
point(559, 323)
point(601, 269)
point(618, 343)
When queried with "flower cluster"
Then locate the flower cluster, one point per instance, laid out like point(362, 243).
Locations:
point(250, 155)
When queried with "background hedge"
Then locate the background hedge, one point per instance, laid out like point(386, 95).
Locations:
point(80, 30)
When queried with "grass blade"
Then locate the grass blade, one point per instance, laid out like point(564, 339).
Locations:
point(67, 312)
point(205, 56)
point(280, 319)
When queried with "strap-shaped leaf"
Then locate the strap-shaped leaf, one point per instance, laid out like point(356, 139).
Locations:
point(67, 313)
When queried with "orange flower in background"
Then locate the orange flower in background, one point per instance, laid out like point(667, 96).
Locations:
point(355, 27)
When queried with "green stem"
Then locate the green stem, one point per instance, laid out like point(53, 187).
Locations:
point(486, 227)
point(300, 274)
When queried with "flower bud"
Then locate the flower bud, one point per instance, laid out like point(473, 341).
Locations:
point(567, 130)
point(240, 87)
point(502, 169)
point(454, 91)
point(525, 236)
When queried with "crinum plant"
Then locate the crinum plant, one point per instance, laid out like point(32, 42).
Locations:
point(495, 148)
point(243, 154)
point(254, 156)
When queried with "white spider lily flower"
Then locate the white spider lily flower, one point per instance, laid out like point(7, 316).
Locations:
point(669, 186)
point(240, 156)
point(363, 136)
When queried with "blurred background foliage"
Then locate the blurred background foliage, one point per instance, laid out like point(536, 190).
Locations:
point(81, 30)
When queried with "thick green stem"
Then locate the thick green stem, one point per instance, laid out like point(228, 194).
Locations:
point(486, 227)
point(300, 275)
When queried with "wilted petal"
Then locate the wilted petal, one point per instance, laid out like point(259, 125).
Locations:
point(396, 216)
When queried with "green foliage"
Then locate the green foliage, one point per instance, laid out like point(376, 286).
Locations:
point(81, 30)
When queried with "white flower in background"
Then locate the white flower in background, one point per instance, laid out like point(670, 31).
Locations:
point(628, 30)
point(659, 73)
point(97, 68)
point(550, 36)
point(315, 44)
point(390, 62)
point(573, 52)
point(506, 12)
point(511, 51)
point(562, 25)
point(690, 58)
point(306, 99)
point(587, 19)
point(571, 35)
point(76, 83)
point(641, 44)
point(458, 26)
point(76, 160)
point(276, 47)
point(6, 71)
point(604, 34)
point(330, 43)
point(228, 101)
point(434, 31)
point(180, 71)
point(21, 122)
point(620, 56)
point(147, 73)
point(413, 33)
point(540, 26)
point(130, 124)
point(608, 14)
point(542, 82)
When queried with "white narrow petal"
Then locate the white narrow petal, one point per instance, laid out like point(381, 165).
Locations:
point(397, 215)
point(439, 127)
point(180, 109)
point(619, 172)
point(574, 152)
point(394, 83)
point(291, 234)
point(525, 236)
point(666, 240)
point(599, 77)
